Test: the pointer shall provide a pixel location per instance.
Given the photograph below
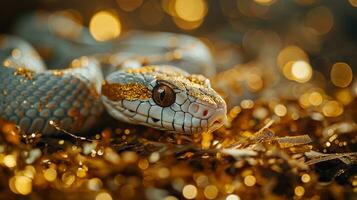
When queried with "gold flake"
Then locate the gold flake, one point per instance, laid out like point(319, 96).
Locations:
point(146, 69)
point(131, 91)
point(28, 74)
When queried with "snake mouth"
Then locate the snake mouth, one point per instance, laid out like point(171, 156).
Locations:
point(124, 114)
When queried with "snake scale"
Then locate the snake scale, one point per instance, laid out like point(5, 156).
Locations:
point(132, 78)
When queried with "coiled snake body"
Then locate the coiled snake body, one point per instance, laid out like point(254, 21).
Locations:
point(139, 87)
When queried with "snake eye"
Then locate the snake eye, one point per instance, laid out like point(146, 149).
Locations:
point(163, 95)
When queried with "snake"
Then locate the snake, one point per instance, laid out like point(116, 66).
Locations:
point(141, 78)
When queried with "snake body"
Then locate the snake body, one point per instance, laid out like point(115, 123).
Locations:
point(130, 80)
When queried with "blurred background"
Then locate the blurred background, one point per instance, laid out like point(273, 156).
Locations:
point(324, 30)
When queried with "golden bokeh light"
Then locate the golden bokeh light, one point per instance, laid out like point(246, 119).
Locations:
point(9, 161)
point(104, 26)
point(103, 196)
point(191, 10)
point(344, 96)
point(249, 180)
point(315, 98)
point(305, 178)
point(341, 74)
point(332, 109)
point(189, 192)
point(319, 19)
point(129, 5)
point(299, 191)
point(210, 192)
point(233, 197)
point(21, 185)
point(291, 53)
point(301, 71)
point(50, 174)
point(280, 110)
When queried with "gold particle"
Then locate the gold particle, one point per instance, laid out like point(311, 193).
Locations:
point(103, 196)
point(131, 91)
point(28, 74)
point(299, 191)
point(210, 192)
point(189, 192)
point(249, 180)
point(341, 74)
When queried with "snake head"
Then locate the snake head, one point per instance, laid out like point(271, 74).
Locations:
point(165, 98)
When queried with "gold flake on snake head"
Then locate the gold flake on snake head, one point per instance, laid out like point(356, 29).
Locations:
point(130, 91)
point(28, 74)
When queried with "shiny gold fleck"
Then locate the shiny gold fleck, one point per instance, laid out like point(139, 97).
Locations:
point(28, 74)
point(130, 91)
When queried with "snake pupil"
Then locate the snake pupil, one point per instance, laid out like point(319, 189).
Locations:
point(163, 95)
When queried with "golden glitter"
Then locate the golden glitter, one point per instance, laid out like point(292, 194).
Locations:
point(189, 192)
point(58, 72)
point(198, 79)
point(130, 91)
point(28, 74)
point(142, 70)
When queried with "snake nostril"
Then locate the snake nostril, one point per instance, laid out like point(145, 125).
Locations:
point(205, 112)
